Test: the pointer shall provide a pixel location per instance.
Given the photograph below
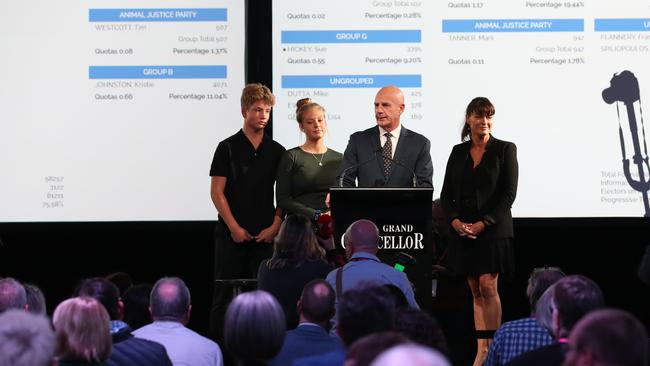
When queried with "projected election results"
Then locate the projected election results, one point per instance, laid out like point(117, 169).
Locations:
point(544, 64)
point(111, 110)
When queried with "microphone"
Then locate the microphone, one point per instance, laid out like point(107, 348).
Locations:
point(341, 177)
point(414, 176)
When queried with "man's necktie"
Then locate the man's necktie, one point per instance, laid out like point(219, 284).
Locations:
point(387, 153)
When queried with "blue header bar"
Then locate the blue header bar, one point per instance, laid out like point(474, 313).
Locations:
point(622, 25)
point(158, 72)
point(353, 36)
point(350, 81)
point(512, 25)
point(159, 15)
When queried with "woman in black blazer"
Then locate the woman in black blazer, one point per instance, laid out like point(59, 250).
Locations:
point(479, 188)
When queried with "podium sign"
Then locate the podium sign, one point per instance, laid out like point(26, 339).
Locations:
point(403, 216)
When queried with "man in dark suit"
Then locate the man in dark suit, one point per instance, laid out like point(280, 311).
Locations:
point(387, 155)
point(363, 310)
point(316, 307)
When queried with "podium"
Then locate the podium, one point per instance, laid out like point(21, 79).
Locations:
point(403, 216)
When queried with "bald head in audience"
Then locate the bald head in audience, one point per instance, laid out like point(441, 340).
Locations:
point(361, 236)
point(170, 300)
point(316, 304)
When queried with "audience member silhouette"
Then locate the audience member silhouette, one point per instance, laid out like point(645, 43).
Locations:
point(12, 295)
point(254, 328)
point(310, 338)
point(363, 310)
point(35, 299)
point(366, 349)
point(608, 337)
point(573, 297)
point(410, 355)
point(136, 305)
point(522, 335)
point(361, 246)
point(26, 339)
point(171, 307)
point(127, 350)
point(544, 309)
point(398, 296)
point(297, 259)
point(82, 332)
point(122, 280)
point(421, 328)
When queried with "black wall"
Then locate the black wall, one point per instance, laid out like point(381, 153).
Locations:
point(55, 256)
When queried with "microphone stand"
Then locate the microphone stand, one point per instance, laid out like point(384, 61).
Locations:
point(625, 88)
point(341, 177)
point(413, 175)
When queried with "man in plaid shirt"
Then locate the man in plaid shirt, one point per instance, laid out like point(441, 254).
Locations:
point(523, 335)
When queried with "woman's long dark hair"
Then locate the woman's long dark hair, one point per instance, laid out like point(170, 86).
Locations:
point(481, 106)
point(295, 244)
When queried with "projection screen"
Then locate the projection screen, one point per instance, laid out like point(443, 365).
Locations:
point(544, 64)
point(111, 110)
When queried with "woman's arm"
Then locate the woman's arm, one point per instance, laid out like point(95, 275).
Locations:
point(448, 190)
point(447, 198)
point(506, 191)
point(284, 187)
